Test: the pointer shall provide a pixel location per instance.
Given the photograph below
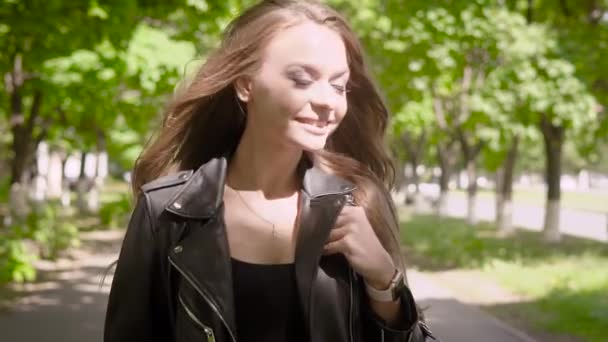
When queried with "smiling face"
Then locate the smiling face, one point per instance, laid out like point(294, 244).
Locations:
point(298, 94)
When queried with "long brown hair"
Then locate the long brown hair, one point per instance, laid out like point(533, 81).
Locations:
point(203, 119)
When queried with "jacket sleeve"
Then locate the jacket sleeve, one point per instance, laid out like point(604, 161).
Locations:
point(411, 328)
point(137, 305)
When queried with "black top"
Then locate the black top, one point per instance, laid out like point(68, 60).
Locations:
point(267, 305)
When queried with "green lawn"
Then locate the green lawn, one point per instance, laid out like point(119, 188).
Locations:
point(567, 283)
point(591, 201)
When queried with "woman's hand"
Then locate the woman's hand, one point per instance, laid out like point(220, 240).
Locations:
point(354, 237)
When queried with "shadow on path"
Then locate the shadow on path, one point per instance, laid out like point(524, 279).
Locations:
point(66, 303)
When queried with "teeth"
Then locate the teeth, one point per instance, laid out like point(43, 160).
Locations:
point(316, 123)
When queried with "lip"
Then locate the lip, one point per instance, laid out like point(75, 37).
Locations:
point(314, 126)
point(313, 121)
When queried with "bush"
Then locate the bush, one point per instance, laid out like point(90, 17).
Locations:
point(113, 214)
point(50, 231)
point(16, 263)
point(46, 229)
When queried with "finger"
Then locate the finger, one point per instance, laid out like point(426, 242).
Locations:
point(353, 218)
point(345, 216)
point(337, 233)
point(334, 247)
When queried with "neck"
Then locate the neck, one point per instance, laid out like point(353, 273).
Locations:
point(262, 165)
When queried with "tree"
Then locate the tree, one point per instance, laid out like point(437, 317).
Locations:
point(563, 87)
point(61, 77)
point(450, 49)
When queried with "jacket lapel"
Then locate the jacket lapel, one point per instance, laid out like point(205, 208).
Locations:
point(203, 259)
point(203, 255)
point(320, 205)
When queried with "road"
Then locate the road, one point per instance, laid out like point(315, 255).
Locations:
point(574, 222)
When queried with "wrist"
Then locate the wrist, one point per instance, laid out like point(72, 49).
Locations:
point(388, 293)
point(383, 280)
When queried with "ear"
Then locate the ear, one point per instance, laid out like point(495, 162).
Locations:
point(242, 87)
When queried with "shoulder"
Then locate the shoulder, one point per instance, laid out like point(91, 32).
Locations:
point(168, 181)
point(159, 192)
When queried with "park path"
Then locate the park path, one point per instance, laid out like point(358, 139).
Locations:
point(575, 222)
point(67, 305)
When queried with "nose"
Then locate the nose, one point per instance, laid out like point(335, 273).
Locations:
point(324, 98)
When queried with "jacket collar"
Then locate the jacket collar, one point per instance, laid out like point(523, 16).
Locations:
point(203, 192)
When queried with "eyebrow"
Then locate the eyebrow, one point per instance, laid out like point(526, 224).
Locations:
point(315, 72)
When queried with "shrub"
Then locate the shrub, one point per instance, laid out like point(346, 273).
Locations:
point(16, 263)
point(50, 231)
point(113, 214)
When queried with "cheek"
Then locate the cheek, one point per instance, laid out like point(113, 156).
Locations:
point(278, 99)
point(341, 110)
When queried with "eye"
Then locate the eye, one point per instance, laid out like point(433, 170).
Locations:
point(299, 78)
point(341, 89)
point(301, 82)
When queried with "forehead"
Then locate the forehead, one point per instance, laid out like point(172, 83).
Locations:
point(307, 43)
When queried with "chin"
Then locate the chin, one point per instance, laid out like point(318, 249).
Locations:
point(310, 143)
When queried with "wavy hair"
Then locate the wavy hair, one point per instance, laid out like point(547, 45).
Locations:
point(203, 119)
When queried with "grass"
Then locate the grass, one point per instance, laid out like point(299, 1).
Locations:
point(567, 283)
point(590, 201)
point(111, 191)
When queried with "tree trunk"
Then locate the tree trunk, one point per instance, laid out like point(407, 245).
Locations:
point(414, 151)
point(17, 122)
point(21, 130)
point(446, 158)
point(412, 197)
point(39, 185)
point(470, 153)
point(81, 185)
point(66, 193)
point(100, 172)
point(505, 211)
point(498, 202)
point(55, 176)
point(471, 191)
point(553, 137)
point(529, 11)
point(102, 157)
point(400, 179)
point(594, 12)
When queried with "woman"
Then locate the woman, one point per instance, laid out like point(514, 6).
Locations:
point(242, 230)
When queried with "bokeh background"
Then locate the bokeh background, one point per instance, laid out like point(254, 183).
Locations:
point(498, 124)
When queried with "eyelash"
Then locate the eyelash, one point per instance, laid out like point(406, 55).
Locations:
point(302, 83)
point(341, 89)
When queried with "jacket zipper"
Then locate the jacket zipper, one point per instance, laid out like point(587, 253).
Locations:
point(205, 297)
point(208, 331)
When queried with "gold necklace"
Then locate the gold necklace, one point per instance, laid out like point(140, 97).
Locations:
point(274, 235)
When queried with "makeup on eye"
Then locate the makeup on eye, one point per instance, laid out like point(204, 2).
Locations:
point(301, 81)
point(305, 75)
point(342, 89)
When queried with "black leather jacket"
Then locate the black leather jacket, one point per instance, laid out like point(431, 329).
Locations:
point(173, 279)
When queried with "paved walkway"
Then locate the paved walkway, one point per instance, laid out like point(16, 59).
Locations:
point(454, 321)
point(68, 306)
point(574, 222)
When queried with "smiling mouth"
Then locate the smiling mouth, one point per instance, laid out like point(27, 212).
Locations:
point(313, 122)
